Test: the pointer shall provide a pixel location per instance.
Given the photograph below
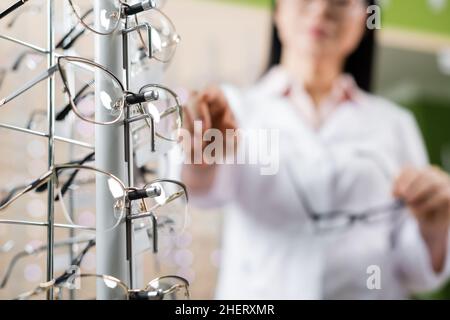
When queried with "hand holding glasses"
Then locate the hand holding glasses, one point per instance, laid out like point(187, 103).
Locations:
point(334, 220)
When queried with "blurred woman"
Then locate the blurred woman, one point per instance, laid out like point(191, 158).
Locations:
point(349, 161)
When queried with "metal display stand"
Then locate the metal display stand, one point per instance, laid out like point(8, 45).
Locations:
point(109, 145)
point(113, 153)
point(51, 144)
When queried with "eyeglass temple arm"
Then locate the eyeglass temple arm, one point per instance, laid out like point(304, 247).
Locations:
point(62, 43)
point(144, 170)
point(65, 187)
point(33, 115)
point(75, 262)
point(31, 8)
point(394, 206)
point(48, 73)
point(69, 182)
point(66, 45)
point(20, 59)
point(61, 115)
point(301, 195)
point(26, 253)
point(12, 8)
point(11, 193)
point(34, 185)
point(64, 277)
point(11, 266)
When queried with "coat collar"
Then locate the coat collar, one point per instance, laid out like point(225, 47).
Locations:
point(278, 83)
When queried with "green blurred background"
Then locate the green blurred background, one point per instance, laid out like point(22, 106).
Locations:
point(414, 14)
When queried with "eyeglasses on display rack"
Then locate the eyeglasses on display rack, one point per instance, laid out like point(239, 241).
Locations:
point(166, 112)
point(165, 122)
point(84, 286)
point(30, 251)
point(6, 196)
point(74, 188)
point(151, 231)
point(160, 43)
point(167, 115)
point(72, 284)
point(163, 40)
point(166, 212)
point(164, 36)
point(84, 71)
point(78, 30)
point(167, 195)
point(164, 109)
point(109, 19)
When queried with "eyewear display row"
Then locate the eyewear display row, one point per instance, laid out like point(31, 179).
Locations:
point(159, 206)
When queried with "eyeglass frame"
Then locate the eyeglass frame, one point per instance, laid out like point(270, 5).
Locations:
point(26, 253)
point(352, 217)
point(130, 194)
point(149, 35)
point(130, 293)
point(127, 99)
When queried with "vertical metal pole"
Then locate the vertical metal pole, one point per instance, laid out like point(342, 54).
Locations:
point(68, 24)
point(109, 156)
point(51, 142)
point(128, 160)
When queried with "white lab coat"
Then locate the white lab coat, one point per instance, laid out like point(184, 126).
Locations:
point(346, 159)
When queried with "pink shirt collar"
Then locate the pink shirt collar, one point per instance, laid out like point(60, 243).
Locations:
point(277, 82)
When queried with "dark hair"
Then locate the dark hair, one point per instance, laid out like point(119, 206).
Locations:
point(359, 64)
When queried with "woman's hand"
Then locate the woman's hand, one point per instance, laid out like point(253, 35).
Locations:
point(211, 108)
point(427, 194)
